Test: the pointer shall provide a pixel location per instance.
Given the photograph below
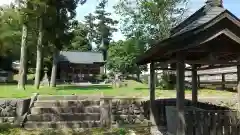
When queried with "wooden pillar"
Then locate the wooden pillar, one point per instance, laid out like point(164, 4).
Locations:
point(194, 85)
point(238, 85)
point(238, 73)
point(198, 81)
point(223, 81)
point(180, 95)
point(73, 75)
point(152, 93)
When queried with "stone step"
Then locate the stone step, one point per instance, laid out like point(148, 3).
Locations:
point(66, 103)
point(58, 110)
point(60, 125)
point(67, 97)
point(64, 117)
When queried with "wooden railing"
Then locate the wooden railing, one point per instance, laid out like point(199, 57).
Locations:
point(160, 110)
point(212, 122)
point(223, 80)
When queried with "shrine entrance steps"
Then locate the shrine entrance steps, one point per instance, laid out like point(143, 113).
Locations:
point(64, 112)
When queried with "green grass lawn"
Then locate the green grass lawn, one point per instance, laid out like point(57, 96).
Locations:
point(133, 89)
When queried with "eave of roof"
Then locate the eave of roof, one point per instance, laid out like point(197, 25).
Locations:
point(76, 57)
point(160, 45)
point(188, 20)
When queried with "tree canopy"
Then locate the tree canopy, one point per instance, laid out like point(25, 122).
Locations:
point(80, 41)
point(122, 56)
point(150, 20)
point(42, 28)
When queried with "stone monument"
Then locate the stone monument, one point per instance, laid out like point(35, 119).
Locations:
point(45, 80)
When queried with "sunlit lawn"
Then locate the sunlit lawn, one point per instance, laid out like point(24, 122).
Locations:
point(133, 89)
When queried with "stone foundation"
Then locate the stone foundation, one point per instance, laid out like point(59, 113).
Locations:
point(127, 111)
point(11, 110)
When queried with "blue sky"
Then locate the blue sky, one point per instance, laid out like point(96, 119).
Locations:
point(83, 10)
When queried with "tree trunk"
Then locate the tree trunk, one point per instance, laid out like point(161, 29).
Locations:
point(56, 48)
point(138, 76)
point(54, 68)
point(39, 55)
point(23, 59)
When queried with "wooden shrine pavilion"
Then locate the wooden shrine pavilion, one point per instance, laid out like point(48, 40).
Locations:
point(210, 38)
point(75, 66)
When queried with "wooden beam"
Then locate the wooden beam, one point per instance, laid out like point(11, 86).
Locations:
point(204, 62)
point(180, 95)
point(172, 69)
point(215, 66)
point(152, 93)
point(194, 85)
point(209, 62)
point(211, 74)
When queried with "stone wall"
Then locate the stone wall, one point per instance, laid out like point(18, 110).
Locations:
point(12, 110)
point(128, 111)
point(113, 112)
point(125, 111)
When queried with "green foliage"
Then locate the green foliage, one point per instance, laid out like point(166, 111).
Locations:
point(122, 56)
point(90, 26)
point(144, 79)
point(80, 40)
point(10, 29)
point(149, 20)
point(122, 131)
point(103, 76)
point(51, 132)
point(104, 28)
point(100, 77)
point(60, 20)
point(5, 128)
point(166, 81)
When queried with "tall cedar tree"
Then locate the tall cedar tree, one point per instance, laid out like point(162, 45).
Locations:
point(26, 11)
point(104, 28)
point(80, 41)
point(65, 13)
point(41, 8)
point(90, 26)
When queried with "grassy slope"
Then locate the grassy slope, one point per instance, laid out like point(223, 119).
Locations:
point(134, 89)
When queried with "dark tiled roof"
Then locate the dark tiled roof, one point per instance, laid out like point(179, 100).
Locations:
point(199, 18)
point(80, 57)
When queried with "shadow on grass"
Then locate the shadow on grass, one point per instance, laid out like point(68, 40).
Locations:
point(156, 89)
point(141, 88)
point(93, 87)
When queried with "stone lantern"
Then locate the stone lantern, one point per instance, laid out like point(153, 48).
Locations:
point(45, 80)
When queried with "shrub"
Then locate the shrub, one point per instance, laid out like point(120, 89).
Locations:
point(5, 128)
point(144, 79)
point(103, 76)
point(100, 77)
point(167, 81)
